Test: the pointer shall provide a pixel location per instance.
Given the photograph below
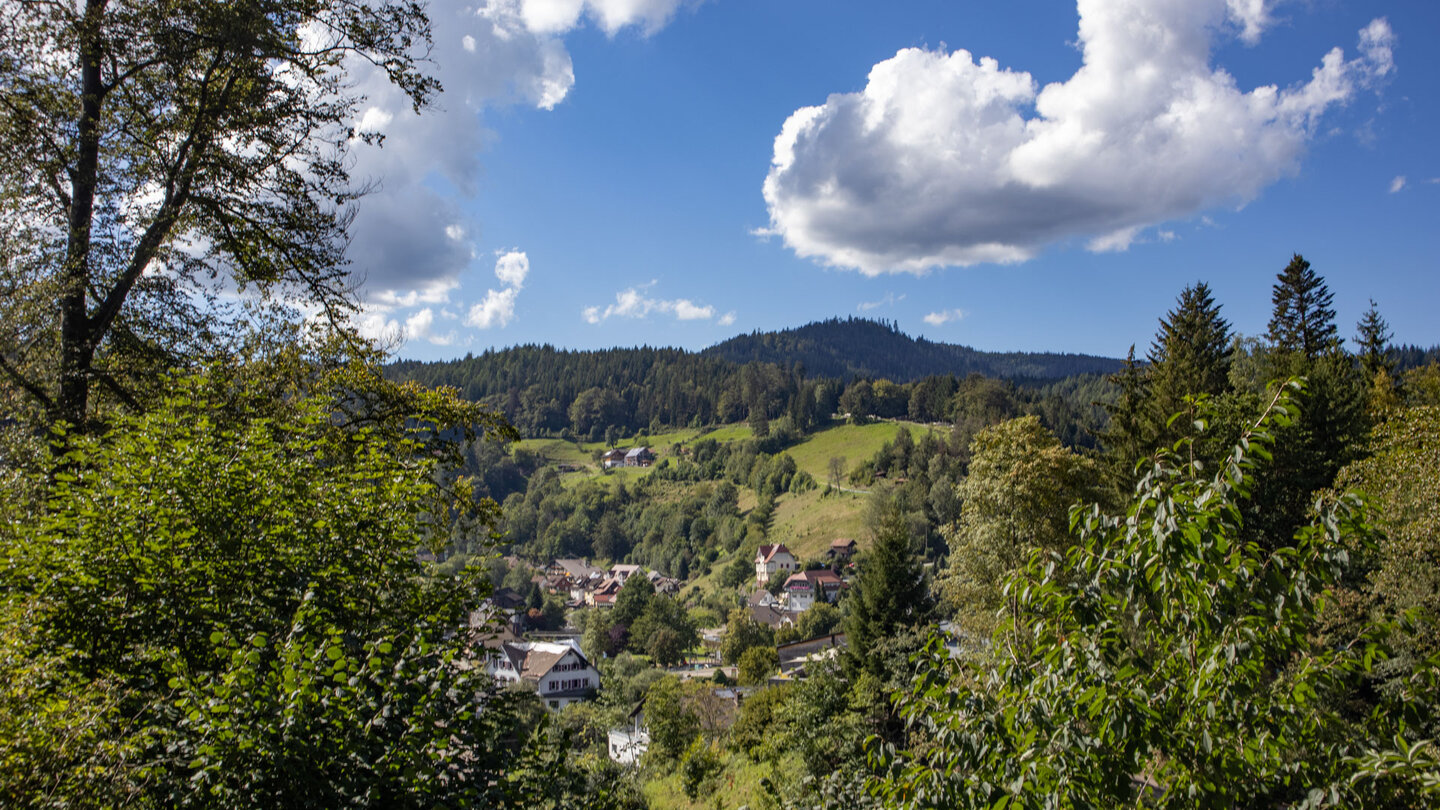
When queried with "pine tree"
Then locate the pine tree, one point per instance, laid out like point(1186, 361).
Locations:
point(1304, 320)
point(1373, 338)
point(890, 594)
point(1130, 435)
point(1190, 354)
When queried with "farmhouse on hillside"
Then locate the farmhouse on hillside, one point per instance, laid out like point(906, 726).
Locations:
point(639, 457)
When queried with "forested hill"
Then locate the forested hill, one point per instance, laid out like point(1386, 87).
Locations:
point(858, 347)
point(802, 374)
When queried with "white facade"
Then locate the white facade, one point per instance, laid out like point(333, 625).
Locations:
point(559, 670)
point(771, 561)
point(627, 746)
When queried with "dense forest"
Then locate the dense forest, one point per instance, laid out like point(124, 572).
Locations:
point(798, 376)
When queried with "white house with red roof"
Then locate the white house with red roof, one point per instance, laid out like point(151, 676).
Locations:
point(774, 561)
point(805, 588)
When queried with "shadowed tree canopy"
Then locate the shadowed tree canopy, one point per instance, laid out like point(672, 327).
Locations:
point(157, 158)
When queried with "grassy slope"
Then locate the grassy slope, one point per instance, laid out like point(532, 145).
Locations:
point(854, 443)
point(806, 523)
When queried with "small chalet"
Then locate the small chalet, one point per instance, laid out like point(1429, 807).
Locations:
point(663, 584)
point(614, 457)
point(560, 672)
point(772, 616)
point(639, 457)
point(805, 588)
point(772, 561)
point(842, 549)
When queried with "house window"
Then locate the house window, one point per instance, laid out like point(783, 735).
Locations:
point(554, 704)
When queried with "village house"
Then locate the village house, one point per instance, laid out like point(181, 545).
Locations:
point(773, 616)
point(663, 584)
point(623, 572)
point(639, 457)
point(559, 671)
point(840, 550)
point(803, 589)
point(772, 561)
point(797, 655)
point(629, 744)
point(614, 457)
point(603, 595)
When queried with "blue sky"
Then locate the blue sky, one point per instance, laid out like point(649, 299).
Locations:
point(1010, 176)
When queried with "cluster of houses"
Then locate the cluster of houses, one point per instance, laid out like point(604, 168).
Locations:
point(800, 589)
point(560, 673)
point(634, 457)
point(584, 585)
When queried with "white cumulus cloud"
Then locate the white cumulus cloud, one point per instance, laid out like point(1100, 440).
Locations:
point(944, 316)
point(634, 303)
point(410, 234)
point(559, 16)
point(946, 159)
point(497, 308)
point(1397, 184)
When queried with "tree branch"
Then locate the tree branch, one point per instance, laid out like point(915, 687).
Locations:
point(31, 388)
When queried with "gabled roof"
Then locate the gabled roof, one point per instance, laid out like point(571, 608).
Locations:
point(768, 553)
point(843, 542)
point(770, 615)
point(822, 576)
point(636, 452)
point(577, 568)
point(534, 659)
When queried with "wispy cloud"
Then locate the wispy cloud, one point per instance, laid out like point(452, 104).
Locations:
point(1397, 184)
point(890, 300)
point(634, 303)
point(944, 316)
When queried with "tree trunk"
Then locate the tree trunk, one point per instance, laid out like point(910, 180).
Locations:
point(77, 343)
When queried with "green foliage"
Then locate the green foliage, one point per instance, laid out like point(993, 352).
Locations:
point(890, 594)
point(1016, 502)
point(757, 664)
point(663, 630)
point(754, 727)
point(633, 599)
point(1401, 476)
point(743, 633)
point(673, 725)
point(1163, 661)
point(220, 607)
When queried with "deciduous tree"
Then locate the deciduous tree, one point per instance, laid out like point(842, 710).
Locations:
point(159, 154)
